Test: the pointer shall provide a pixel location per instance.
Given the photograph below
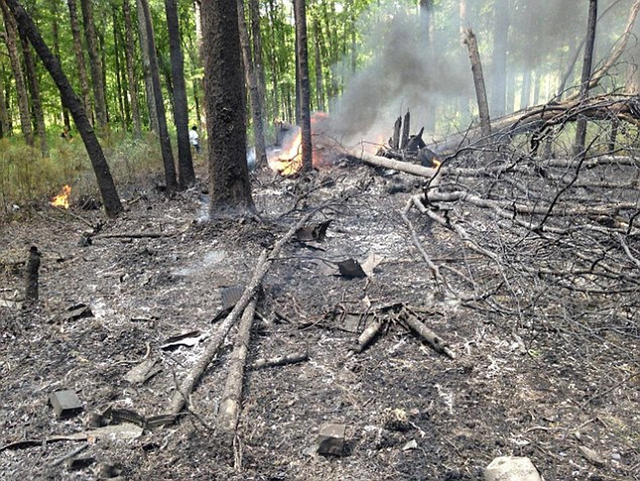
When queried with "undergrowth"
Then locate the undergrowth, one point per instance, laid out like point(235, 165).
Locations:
point(27, 177)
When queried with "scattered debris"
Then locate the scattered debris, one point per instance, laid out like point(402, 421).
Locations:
point(350, 269)
point(75, 312)
point(69, 455)
point(331, 439)
point(592, 456)
point(413, 444)
point(188, 339)
point(511, 468)
point(369, 333)
point(142, 372)
point(315, 232)
point(66, 404)
point(80, 463)
point(230, 296)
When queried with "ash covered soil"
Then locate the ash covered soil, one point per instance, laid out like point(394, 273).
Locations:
point(542, 390)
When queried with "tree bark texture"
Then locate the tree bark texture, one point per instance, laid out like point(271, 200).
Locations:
point(230, 189)
point(146, 67)
point(132, 80)
point(78, 49)
point(163, 133)
point(34, 91)
point(106, 186)
point(305, 92)
point(186, 174)
point(258, 64)
point(251, 75)
point(94, 61)
point(581, 126)
point(16, 65)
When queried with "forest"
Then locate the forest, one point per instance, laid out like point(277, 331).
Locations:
point(320, 239)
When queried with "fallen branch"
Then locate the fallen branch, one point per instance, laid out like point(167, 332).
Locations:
point(369, 334)
point(264, 262)
point(232, 395)
point(280, 360)
point(393, 164)
point(416, 242)
point(435, 341)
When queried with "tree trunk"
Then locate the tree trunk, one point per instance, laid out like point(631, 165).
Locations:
point(34, 91)
point(11, 38)
point(5, 126)
point(318, 59)
point(119, 78)
point(56, 51)
point(146, 68)
point(187, 176)
point(500, 48)
point(107, 188)
point(478, 80)
point(303, 69)
point(274, 63)
point(525, 93)
point(131, 72)
point(581, 126)
point(163, 133)
point(94, 61)
point(77, 46)
point(230, 189)
point(258, 64)
point(251, 75)
point(426, 11)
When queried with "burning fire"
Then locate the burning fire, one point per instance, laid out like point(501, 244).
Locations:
point(288, 160)
point(62, 199)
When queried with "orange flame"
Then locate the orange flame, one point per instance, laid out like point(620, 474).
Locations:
point(62, 199)
point(289, 159)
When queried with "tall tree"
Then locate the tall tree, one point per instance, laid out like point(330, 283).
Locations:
point(258, 64)
point(317, 38)
point(79, 52)
point(146, 67)
point(251, 75)
point(106, 186)
point(132, 81)
point(581, 125)
point(34, 91)
point(500, 48)
point(55, 30)
point(187, 176)
point(163, 133)
point(5, 125)
point(11, 38)
point(230, 189)
point(94, 61)
point(305, 92)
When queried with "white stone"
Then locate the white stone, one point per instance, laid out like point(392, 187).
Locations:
point(511, 468)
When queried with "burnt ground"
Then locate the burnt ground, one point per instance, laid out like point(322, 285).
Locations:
point(540, 387)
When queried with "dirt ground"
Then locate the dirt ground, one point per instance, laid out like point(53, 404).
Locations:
point(545, 389)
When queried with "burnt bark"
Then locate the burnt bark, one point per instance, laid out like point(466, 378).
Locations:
point(230, 189)
point(581, 126)
point(16, 65)
point(106, 186)
point(163, 133)
point(95, 63)
point(305, 93)
point(33, 266)
point(187, 176)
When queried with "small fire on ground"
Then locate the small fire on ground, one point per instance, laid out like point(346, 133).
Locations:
point(287, 159)
point(62, 199)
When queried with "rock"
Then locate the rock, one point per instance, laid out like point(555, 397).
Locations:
point(331, 439)
point(592, 456)
point(65, 403)
point(511, 468)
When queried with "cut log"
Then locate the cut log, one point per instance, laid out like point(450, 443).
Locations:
point(394, 164)
point(33, 265)
point(435, 341)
